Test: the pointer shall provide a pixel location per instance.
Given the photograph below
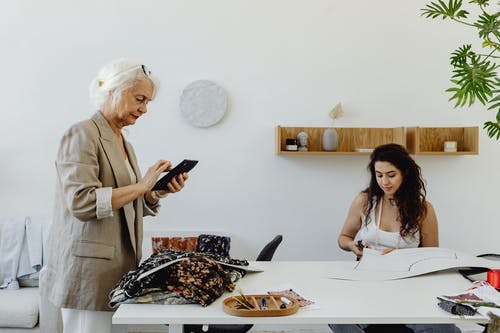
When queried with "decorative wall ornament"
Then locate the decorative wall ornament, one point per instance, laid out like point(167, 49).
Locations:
point(203, 103)
point(302, 138)
point(330, 139)
point(337, 111)
point(330, 135)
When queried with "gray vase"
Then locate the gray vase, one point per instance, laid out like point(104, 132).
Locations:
point(330, 139)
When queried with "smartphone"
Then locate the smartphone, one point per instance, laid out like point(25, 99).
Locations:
point(184, 166)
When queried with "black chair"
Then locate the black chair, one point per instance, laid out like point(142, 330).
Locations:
point(388, 328)
point(266, 254)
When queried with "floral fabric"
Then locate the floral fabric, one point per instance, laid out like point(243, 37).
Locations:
point(194, 277)
point(215, 244)
point(175, 243)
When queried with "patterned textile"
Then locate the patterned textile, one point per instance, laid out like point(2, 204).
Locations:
point(175, 243)
point(152, 296)
point(194, 277)
point(214, 244)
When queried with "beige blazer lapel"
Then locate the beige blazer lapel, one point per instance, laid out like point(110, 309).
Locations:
point(121, 175)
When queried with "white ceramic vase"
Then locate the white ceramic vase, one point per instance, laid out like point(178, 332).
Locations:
point(330, 139)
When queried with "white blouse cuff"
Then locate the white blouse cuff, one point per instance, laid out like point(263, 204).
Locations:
point(103, 202)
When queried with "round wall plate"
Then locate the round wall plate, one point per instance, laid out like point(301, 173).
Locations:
point(203, 103)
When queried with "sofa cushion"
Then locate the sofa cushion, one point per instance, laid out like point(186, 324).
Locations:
point(28, 282)
point(19, 308)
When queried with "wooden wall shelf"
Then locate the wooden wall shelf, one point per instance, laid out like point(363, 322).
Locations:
point(430, 140)
point(349, 139)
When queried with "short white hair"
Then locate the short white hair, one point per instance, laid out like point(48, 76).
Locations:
point(117, 76)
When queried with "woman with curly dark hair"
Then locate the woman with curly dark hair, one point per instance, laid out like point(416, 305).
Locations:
point(391, 213)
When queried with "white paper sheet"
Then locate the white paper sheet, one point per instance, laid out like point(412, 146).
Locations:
point(404, 263)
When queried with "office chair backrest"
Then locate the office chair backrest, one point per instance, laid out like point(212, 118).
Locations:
point(266, 254)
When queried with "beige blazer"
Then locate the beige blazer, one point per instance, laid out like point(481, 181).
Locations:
point(88, 256)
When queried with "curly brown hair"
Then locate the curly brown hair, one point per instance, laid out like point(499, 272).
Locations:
point(410, 196)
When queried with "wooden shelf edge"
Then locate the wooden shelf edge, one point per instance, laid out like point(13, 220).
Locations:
point(331, 153)
point(445, 153)
point(320, 153)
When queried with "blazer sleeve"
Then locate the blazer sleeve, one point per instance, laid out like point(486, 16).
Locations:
point(150, 210)
point(78, 168)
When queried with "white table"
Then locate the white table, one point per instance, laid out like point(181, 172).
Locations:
point(411, 300)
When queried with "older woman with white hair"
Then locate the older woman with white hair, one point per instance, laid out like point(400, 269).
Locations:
point(101, 198)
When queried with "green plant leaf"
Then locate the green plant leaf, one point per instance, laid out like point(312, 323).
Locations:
point(480, 2)
point(487, 24)
point(437, 9)
point(460, 55)
point(490, 44)
point(474, 76)
point(495, 101)
point(474, 79)
point(493, 129)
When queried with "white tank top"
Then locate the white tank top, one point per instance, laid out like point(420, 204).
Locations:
point(380, 239)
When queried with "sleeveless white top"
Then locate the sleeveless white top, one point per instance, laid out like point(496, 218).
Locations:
point(380, 239)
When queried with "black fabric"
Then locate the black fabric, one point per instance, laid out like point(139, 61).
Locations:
point(388, 328)
point(214, 244)
point(456, 308)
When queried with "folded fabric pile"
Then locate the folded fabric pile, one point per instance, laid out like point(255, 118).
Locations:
point(178, 277)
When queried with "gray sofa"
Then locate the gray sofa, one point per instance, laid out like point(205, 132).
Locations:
point(24, 309)
point(19, 310)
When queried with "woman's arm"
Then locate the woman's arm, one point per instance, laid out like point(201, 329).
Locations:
point(429, 234)
point(352, 225)
point(123, 195)
point(175, 185)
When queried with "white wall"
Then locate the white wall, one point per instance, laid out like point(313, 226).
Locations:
point(282, 62)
